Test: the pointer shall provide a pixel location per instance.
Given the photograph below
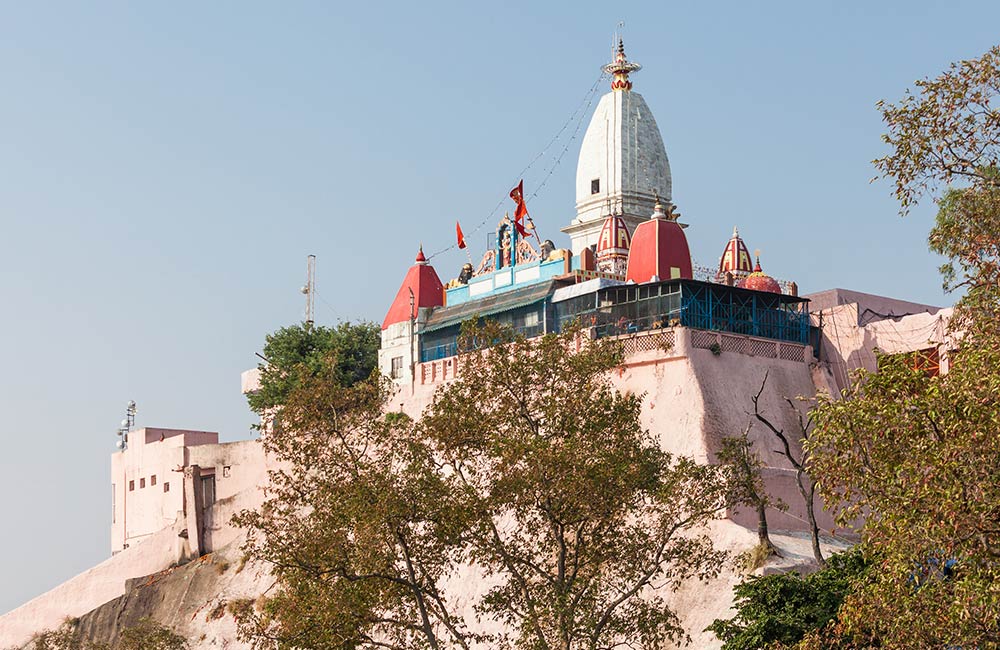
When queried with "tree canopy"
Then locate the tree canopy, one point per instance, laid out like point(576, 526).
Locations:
point(578, 513)
point(784, 608)
point(916, 454)
point(300, 351)
point(528, 474)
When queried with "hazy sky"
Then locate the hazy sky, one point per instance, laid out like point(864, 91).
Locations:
point(165, 168)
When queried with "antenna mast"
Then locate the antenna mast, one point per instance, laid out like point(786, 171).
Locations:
point(310, 291)
point(126, 425)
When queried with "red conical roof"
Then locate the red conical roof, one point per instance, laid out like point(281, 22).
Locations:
point(614, 238)
point(427, 289)
point(659, 250)
point(736, 257)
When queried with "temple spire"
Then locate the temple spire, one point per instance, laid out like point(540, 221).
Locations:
point(620, 68)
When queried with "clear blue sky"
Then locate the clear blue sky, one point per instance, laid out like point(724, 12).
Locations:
point(165, 168)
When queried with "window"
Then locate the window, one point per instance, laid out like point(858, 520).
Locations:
point(166, 486)
point(225, 471)
point(131, 486)
point(927, 361)
point(397, 367)
point(152, 480)
point(595, 186)
point(142, 483)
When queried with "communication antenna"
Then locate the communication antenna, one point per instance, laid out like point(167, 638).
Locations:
point(309, 290)
point(126, 425)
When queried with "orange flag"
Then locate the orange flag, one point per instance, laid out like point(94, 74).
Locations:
point(521, 211)
point(461, 237)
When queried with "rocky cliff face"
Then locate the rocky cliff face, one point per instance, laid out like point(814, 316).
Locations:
point(195, 600)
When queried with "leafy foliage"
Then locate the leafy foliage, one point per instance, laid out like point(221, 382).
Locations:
point(529, 468)
point(782, 609)
point(917, 454)
point(300, 351)
point(358, 524)
point(577, 512)
point(949, 130)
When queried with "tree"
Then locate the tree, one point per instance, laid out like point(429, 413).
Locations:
point(577, 514)
point(290, 349)
point(798, 460)
point(949, 131)
point(745, 466)
point(917, 454)
point(783, 609)
point(358, 525)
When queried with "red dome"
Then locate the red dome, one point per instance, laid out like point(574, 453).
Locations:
point(759, 281)
point(427, 289)
point(659, 250)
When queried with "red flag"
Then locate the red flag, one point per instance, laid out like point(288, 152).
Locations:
point(461, 237)
point(521, 211)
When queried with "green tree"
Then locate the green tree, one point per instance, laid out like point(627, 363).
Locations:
point(577, 512)
point(300, 351)
point(781, 610)
point(359, 526)
point(916, 455)
point(949, 130)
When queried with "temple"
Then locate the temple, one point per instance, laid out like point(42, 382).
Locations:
point(627, 269)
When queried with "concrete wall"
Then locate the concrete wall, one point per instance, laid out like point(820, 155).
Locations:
point(850, 337)
point(693, 398)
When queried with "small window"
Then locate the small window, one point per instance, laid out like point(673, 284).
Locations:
point(166, 486)
point(131, 486)
point(225, 471)
point(397, 367)
point(595, 186)
point(142, 483)
point(152, 480)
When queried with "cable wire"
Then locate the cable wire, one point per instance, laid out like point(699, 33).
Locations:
point(577, 115)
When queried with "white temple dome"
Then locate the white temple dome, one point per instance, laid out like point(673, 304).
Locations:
point(623, 163)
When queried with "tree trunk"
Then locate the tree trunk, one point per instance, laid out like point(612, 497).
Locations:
point(807, 496)
point(762, 535)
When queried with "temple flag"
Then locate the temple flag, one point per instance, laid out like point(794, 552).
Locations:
point(521, 211)
point(461, 237)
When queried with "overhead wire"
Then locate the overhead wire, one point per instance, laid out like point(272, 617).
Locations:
point(577, 115)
